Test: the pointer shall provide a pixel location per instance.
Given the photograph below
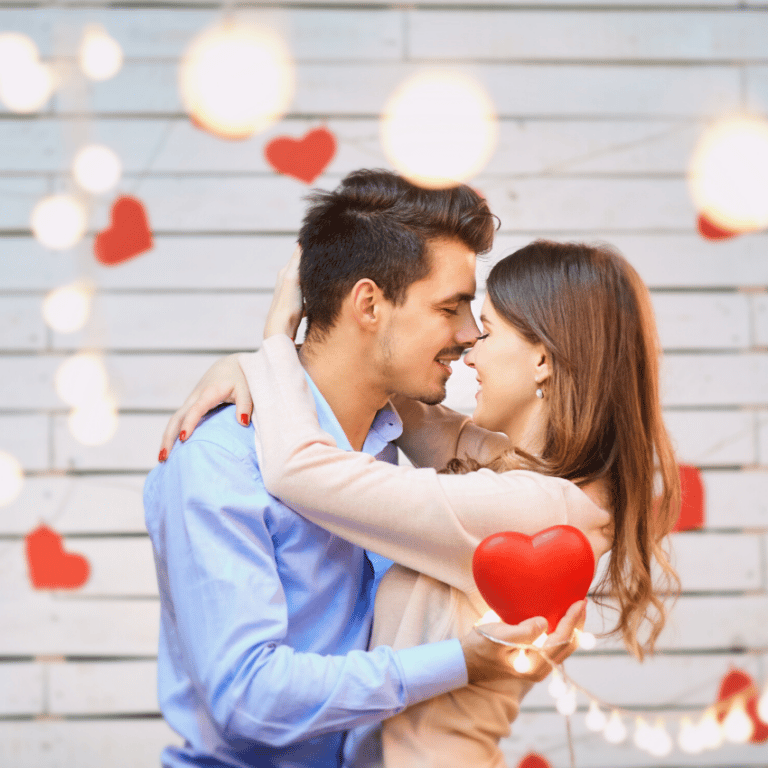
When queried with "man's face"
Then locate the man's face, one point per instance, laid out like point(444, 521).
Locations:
point(434, 325)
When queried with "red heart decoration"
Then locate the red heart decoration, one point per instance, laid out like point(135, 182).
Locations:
point(712, 231)
point(304, 159)
point(734, 683)
point(523, 576)
point(50, 567)
point(128, 234)
point(533, 761)
point(692, 499)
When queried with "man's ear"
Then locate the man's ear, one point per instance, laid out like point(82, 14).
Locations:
point(366, 299)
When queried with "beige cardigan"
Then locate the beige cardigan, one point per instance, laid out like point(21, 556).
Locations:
point(430, 524)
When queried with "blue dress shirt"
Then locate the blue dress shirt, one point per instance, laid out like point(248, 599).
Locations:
point(265, 616)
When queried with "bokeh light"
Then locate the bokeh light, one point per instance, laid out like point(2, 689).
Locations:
point(59, 221)
point(11, 478)
point(729, 174)
point(81, 379)
point(26, 84)
point(94, 423)
point(236, 79)
point(66, 309)
point(439, 129)
point(97, 168)
point(101, 56)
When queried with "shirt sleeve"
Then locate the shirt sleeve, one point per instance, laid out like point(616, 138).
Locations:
point(429, 522)
point(230, 610)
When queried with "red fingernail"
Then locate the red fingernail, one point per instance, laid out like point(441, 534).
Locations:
point(163, 455)
point(182, 435)
point(244, 419)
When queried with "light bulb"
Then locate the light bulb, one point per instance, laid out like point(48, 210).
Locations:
point(59, 222)
point(101, 56)
point(94, 423)
point(595, 719)
point(97, 168)
point(439, 128)
point(615, 731)
point(16, 49)
point(643, 736)
point(521, 662)
point(489, 617)
point(11, 478)
point(710, 731)
point(557, 686)
point(566, 704)
point(689, 739)
point(81, 379)
point(586, 640)
point(236, 79)
point(540, 640)
point(66, 309)
point(737, 726)
point(729, 174)
point(660, 742)
point(25, 83)
point(762, 705)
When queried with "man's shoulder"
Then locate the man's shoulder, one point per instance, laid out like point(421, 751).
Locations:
point(221, 428)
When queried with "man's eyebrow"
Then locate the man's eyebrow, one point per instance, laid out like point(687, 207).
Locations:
point(457, 298)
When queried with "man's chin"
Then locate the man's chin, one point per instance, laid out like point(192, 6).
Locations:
point(432, 398)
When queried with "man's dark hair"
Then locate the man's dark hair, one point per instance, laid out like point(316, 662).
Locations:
point(377, 225)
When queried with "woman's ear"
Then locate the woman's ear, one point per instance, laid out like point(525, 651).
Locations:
point(541, 365)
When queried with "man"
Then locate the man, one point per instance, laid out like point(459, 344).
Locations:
point(265, 617)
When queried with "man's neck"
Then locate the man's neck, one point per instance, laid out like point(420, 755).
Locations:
point(339, 372)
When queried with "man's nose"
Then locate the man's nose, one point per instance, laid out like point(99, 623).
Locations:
point(468, 332)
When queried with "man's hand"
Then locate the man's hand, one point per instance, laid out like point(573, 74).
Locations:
point(487, 660)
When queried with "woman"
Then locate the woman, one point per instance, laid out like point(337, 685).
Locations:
point(568, 370)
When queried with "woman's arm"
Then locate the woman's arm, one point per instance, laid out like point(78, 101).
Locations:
point(425, 521)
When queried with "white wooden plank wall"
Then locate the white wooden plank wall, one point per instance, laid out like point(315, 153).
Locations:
point(600, 106)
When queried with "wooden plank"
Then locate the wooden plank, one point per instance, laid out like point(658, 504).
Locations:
point(756, 88)
point(21, 323)
point(21, 688)
point(713, 438)
point(103, 688)
point(517, 90)
point(762, 433)
point(79, 505)
point(134, 446)
point(587, 34)
point(760, 313)
point(736, 499)
point(18, 197)
point(65, 624)
point(146, 321)
point(131, 743)
point(26, 437)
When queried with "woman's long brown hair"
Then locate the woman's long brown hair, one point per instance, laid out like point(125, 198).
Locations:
point(592, 312)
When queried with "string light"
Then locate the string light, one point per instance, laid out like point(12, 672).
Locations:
point(59, 222)
point(615, 731)
point(66, 309)
point(101, 56)
point(689, 739)
point(557, 686)
point(643, 736)
point(94, 423)
point(521, 662)
point(81, 379)
point(11, 478)
point(439, 128)
point(566, 703)
point(710, 732)
point(762, 705)
point(26, 84)
point(236, 79)
point(540, 640)
point(660, 742)
point(585, 640)
point(595, 719)
point(489, 617)
point(97, 168)
point(737, 726)
point(728, 173)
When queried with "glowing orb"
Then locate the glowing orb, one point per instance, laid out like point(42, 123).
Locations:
point(97, 168)
point(66, 309)
point(729, 174)
point(94, 423)
point(25, 83)
point(101, 56)
point(81, 379)
point(236, 80)
point(439, 129)
point(59, 222)
point(11, 478)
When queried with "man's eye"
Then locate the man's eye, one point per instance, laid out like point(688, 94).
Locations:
point(450, 311)
point(484, 336)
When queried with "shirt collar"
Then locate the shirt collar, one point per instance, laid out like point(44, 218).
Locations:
point(387, 424)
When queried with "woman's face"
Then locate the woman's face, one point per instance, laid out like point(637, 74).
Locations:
point(509, 371)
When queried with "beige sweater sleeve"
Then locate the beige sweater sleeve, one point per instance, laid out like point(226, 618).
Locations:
point(428, 522)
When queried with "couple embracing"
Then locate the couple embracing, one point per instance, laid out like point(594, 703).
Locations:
point(287, 633)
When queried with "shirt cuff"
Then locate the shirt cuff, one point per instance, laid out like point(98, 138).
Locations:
point(433, 669)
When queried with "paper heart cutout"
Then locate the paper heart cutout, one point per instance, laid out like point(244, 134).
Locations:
point(712, 231)
point(691, 501)
point(523, 576)
point(50, 567)
point(304, 159)
point(128, 234)
point(533, 760)
point(736, 681)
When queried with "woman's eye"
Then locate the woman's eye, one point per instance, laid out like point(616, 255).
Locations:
point(484, 336)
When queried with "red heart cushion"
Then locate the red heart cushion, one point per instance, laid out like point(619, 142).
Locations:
point(692, 499)
point(523, 576)
point(304, 159)
point(712, 231)
point(50, 567)
point(735, 682)
point(128, 234)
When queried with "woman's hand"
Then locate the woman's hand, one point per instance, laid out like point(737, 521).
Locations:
point(223, 382)
point(287, 306)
